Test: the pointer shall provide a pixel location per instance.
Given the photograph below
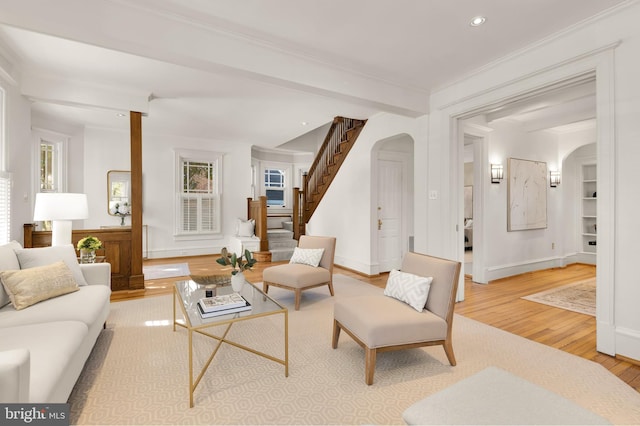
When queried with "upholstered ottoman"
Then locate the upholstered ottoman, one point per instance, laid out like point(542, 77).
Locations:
point(496, 397)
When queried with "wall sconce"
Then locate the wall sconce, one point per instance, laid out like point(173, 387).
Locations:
point(554, 178)
point(496, 173)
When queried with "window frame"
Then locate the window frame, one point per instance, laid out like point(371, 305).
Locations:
point(215, 194)
point(60, 143)
point(287, 186)
point(5, 179)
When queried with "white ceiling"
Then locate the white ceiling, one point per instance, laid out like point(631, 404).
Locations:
point(254, 70)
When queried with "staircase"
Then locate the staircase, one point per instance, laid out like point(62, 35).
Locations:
point(337, 144)
point(281, 244)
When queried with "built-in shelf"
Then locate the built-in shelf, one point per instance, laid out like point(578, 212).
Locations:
point(589, 216)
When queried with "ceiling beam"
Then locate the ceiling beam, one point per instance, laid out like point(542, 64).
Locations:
point(197, 43)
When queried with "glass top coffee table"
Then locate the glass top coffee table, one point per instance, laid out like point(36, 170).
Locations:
point(186, 295)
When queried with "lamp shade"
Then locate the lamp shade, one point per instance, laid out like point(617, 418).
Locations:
point(60, 206)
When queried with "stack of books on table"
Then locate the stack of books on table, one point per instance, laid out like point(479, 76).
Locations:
point(222, 305)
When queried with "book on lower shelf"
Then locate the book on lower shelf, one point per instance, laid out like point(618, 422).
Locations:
point(222, 302)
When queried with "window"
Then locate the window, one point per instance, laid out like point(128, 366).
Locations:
point(199, 194)
point(5, 183)
point(274, 184)
point(48, 167)
point(51, 148)
point(5, 207)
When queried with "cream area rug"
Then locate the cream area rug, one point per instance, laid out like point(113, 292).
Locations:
point(138, 371)
point(155, 272)
point(577, 297)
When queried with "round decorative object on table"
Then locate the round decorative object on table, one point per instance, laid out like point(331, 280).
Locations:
point(237, 281)
point(87, 256)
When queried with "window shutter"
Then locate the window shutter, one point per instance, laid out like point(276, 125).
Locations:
point(189, 214)
point(5, 207)
point(208, 214)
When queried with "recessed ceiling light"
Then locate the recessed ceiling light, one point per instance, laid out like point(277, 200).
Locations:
point(304, 123)
point(477, 21)
point(120, 114)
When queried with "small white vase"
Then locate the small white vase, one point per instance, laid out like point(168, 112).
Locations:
point(87, 256)
point(237, 281)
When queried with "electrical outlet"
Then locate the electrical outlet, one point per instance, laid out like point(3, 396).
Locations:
point(433, 194)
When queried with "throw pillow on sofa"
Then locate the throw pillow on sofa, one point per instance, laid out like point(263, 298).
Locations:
point(41, 256)
point(27, 287)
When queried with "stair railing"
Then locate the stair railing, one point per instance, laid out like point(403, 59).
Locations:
point(339, 140)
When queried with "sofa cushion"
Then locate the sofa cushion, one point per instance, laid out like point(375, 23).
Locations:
point(383, 321)
point(32, 257)
point(51, 346)
point(408, 288)
point(8, 262)
point(27, 287)
point(296, 275)
point(85, 305)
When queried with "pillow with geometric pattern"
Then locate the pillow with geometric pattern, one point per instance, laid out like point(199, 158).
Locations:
point(311, 257)
point(408, 288)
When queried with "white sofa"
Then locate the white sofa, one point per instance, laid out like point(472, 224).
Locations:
point(43, 347)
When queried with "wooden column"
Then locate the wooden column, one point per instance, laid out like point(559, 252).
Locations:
point(136, 279)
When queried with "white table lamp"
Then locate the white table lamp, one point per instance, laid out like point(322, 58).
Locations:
point(61, 209)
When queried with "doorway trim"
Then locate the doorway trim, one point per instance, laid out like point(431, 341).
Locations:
point(599, 62)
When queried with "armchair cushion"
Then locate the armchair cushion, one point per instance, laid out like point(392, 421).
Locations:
point(383, 321)
point(296, 275)
point(309, 257)
point(409, 288)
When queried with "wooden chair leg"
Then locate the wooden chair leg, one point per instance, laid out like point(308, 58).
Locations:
point(369, 365)
point(336, 334)
point(298, 294)
point(331, 288)
point(265, 287)
point(448, 349)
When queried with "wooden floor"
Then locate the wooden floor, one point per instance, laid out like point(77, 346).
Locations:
point(498, 304)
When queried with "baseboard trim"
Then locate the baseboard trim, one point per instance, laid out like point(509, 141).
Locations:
point(628, 343)
point(362, 274)
point(509, 270)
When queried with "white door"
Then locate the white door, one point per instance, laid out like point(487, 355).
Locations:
point(390, 213)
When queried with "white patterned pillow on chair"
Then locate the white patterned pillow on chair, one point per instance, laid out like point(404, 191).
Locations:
point(408, 288)
point(311, 257)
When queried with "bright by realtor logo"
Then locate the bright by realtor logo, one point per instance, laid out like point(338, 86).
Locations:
point(35, 414)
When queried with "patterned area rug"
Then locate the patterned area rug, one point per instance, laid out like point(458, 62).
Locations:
point(577, 297)
point(138, 371)
point(155, 272)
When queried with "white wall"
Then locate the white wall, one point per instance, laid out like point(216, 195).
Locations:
point(346, 210)
point(608, 46)
point(531, 249)
point(109, 150)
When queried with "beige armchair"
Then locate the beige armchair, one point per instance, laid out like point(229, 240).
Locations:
point(300, 276)
point(381, 323)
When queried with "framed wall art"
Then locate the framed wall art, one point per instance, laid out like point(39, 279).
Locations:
point(527, 195)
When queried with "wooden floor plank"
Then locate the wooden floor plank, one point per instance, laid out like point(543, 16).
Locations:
point(498, 304)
